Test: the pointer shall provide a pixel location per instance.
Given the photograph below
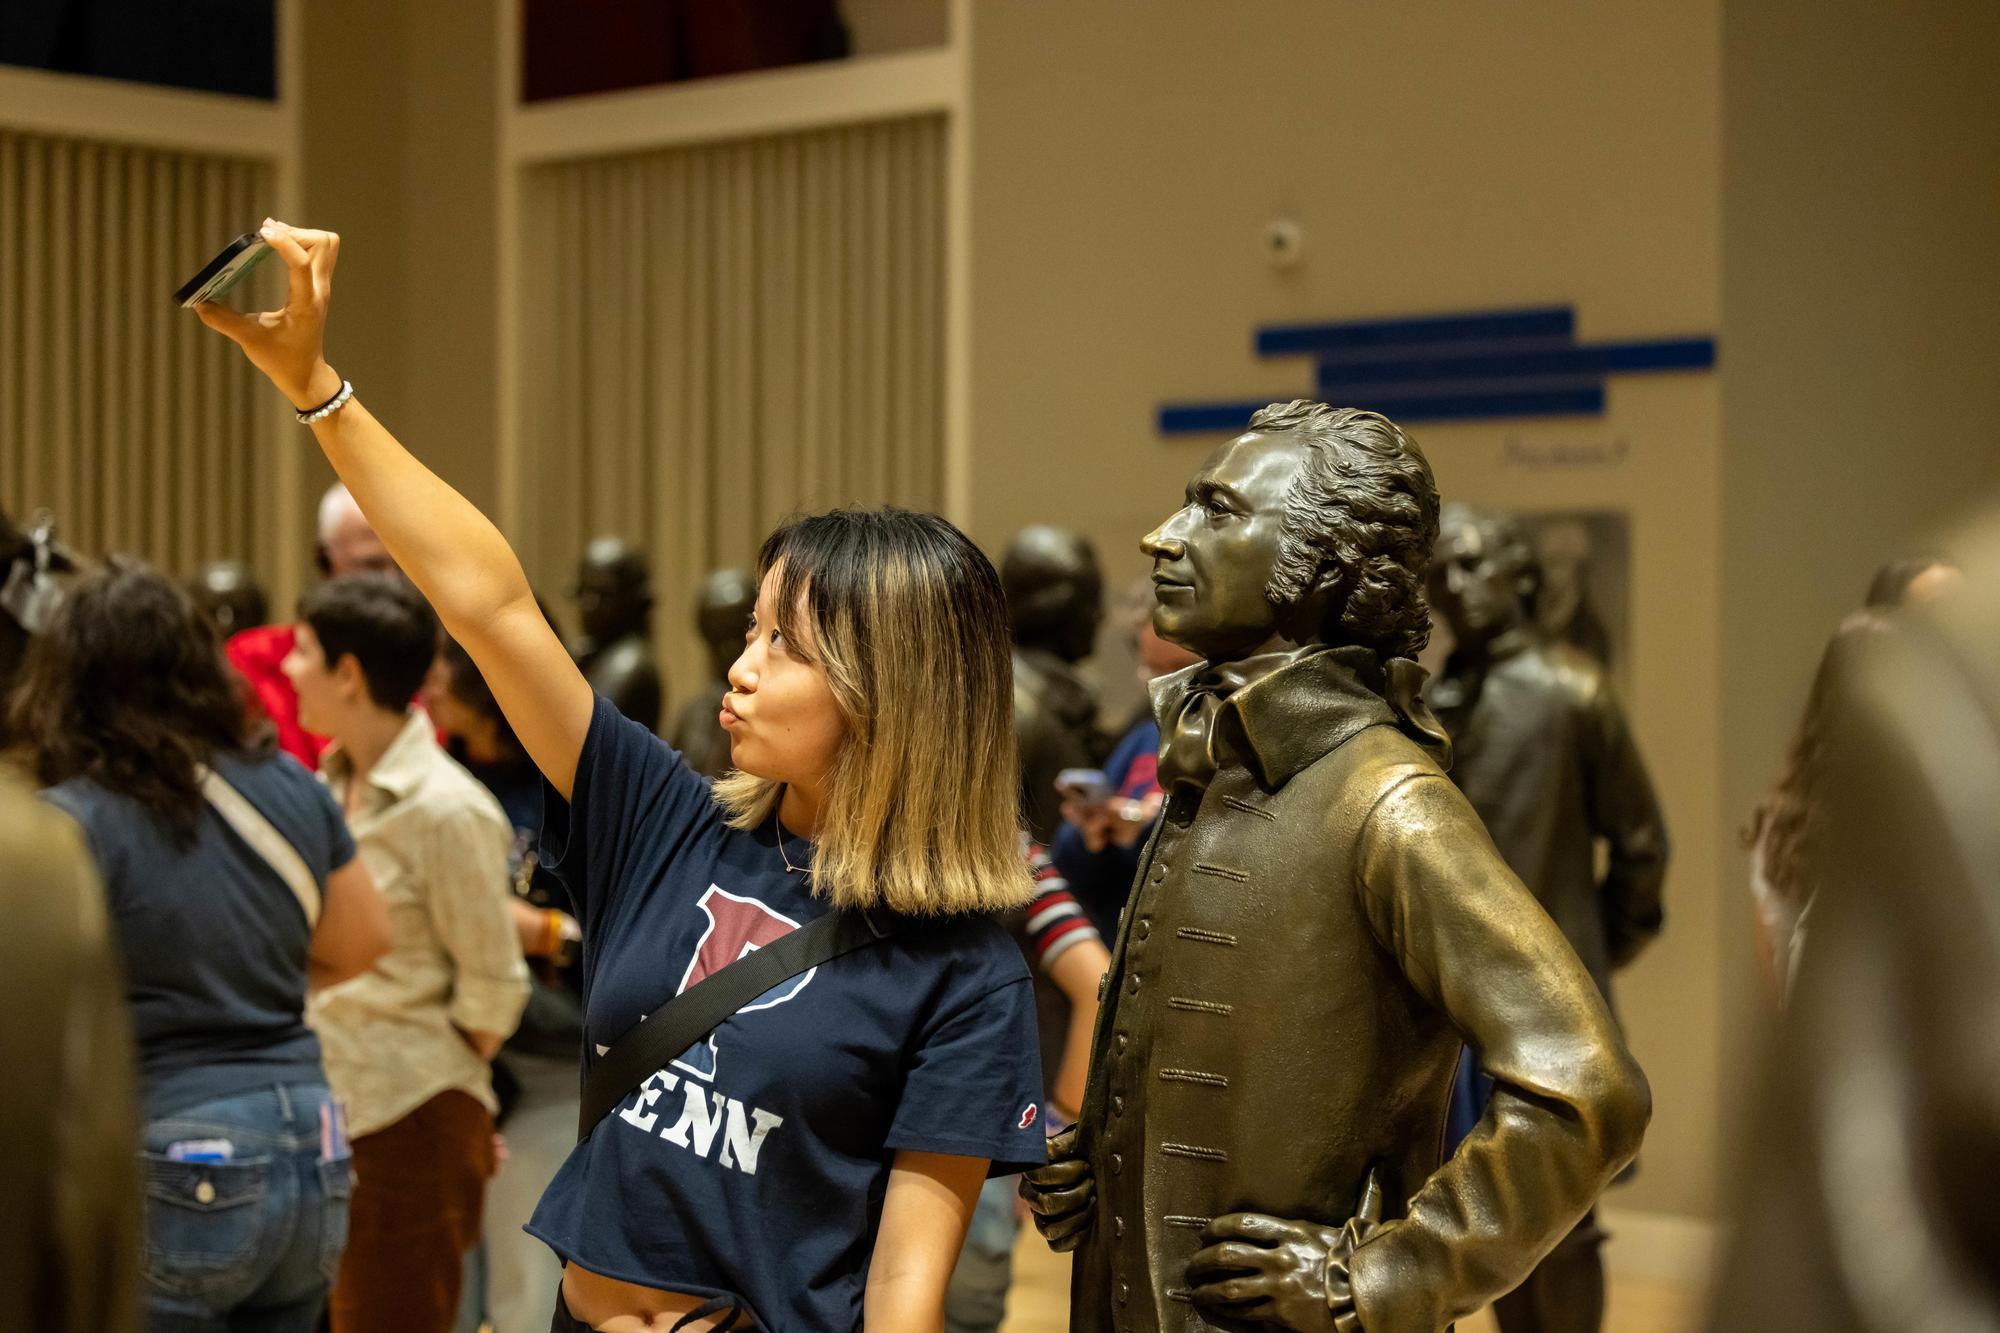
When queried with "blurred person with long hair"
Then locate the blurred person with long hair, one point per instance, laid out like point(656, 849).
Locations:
point(1785, 829)
point(1867, 1195)
point(808, 1165)
point(232, 885)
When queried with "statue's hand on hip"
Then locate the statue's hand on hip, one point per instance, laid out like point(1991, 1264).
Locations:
point(1062, 1194)
point(1289, 1274)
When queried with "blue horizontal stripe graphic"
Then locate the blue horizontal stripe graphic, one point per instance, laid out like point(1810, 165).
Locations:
point(1360, 395)
point(1585, 400)
point(1358, 335)
point(1477, 347)
point(1592, 359)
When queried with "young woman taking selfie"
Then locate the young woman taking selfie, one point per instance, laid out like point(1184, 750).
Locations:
point(814, 1161)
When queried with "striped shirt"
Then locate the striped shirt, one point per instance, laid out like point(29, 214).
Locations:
point(1056, 921)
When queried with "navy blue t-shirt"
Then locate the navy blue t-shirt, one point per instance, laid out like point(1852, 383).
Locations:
point(213, 941)
point(755, 1166)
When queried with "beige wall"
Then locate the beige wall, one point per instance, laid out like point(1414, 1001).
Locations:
point(1441, 157)
point(400, 140)
point(1861, 299)
point(1444, 157)
point(878, 27)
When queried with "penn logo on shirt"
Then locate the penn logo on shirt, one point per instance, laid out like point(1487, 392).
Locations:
point(736, 927)
point(1028, 1116)
point(710, 1123)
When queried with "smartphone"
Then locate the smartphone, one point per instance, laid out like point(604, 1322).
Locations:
point(1089, 785)
point(224, 271)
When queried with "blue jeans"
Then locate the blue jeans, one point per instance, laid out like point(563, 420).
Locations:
point(248, 1244)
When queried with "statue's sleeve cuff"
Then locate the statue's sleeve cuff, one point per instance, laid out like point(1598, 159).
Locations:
point(1340, 1294)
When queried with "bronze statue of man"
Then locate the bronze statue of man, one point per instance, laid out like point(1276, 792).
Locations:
point(228, 592)
point(614, 598)
point(1055, 599)
point(33, 571)
point(1319, 922)
point(721, 614)
point(1541, 749)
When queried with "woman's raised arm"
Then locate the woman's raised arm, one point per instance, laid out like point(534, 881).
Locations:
point(446, 546)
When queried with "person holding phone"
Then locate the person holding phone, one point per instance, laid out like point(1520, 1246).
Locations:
point(814, 1161)
point(1106, 821)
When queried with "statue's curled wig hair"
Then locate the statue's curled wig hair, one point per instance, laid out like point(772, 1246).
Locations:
point(1364, 505)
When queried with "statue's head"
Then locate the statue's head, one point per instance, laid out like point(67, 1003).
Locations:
point(1313, 526)
point(722, 615)
point(1055, 591)
point(614, 590)
point(229, 593)
point(1485, 573)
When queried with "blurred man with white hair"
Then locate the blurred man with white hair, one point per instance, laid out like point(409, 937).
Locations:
point(346, 545)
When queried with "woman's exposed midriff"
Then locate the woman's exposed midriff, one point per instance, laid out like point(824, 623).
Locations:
point(609, 1306)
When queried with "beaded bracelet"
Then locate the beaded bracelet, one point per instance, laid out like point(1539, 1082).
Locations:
point(329, 407)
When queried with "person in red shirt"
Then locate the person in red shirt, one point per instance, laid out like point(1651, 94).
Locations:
point(347, 545)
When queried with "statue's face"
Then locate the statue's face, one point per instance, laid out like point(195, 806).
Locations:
point(727, 600)
point(1055, 591)
point(1470, 585)
point(608, 602)
point(1086, 614)
point(1213, 559)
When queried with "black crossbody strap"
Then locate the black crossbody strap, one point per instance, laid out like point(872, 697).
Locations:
point(701, 1008)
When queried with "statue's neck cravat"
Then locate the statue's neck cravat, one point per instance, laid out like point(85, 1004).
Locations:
point(1291, 707)
point(1187, 752)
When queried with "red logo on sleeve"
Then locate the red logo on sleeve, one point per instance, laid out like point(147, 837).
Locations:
point(1027, 1116)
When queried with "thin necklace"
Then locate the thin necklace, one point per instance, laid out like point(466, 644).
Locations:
point(777, 819)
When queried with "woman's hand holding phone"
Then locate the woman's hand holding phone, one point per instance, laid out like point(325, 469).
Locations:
point(288, 345)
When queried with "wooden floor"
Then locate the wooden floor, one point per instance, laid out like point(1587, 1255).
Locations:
point(1040, 1299)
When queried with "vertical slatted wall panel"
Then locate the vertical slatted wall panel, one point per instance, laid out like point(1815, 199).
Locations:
point(137, 427)
point(718, 336)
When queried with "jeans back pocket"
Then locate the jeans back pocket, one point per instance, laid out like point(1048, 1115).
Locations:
point(203, 1224)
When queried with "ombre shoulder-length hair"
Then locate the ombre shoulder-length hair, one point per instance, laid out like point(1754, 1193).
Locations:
point(920, 815)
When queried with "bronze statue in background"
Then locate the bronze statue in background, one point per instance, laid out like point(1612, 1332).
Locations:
point(1870, 1198)
point(1541, 749)
point(229, 593)
point(1318, 922)
point(1055, 598)
point(721, 614)
point(70, 1235)
point(33, 570)
point(614, 601)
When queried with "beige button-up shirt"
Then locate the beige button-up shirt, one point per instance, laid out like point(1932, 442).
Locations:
point(436, 843)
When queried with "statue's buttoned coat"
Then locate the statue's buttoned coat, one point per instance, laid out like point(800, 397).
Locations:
point(1311, 936)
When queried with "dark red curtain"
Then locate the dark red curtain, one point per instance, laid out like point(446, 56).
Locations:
point(572, 47)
